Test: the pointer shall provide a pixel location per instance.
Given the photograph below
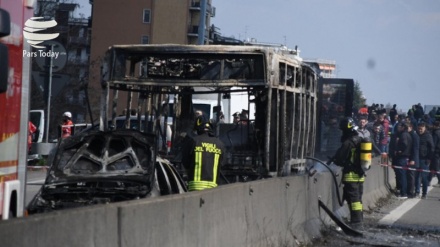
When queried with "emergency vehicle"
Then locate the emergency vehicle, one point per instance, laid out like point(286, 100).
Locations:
point(14, 105)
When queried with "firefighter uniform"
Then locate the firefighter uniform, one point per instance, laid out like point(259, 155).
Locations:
point(353, 174)
point(202, 157)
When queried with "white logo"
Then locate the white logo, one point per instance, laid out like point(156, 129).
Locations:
point(33, 25)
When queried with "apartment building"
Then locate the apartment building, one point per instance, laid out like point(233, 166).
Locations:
point(144, 22)
point(69, 70)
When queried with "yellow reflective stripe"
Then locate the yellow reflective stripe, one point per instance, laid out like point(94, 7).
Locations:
point(356, 206)
point(353, 152)
point(216, 160)
point(198, 166)
point(353, 177)
point(201, 185)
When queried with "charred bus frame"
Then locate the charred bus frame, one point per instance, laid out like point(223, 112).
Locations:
point(279, 86)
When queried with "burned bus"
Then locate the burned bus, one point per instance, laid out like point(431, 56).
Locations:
point(275, 91)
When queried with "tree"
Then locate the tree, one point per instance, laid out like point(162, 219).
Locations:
point(359, 99)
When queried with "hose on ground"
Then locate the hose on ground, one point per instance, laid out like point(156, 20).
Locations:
point(340, 200)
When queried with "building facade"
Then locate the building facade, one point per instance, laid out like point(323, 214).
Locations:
point(70, 69)
point(144, 22)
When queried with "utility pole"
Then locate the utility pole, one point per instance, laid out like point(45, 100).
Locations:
point(49, 94)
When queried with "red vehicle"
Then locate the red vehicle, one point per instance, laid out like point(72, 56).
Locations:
point(14, 105)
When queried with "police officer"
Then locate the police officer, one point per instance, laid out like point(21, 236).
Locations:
point(202, 156)
point(353, 174)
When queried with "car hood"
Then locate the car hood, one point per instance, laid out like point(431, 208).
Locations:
point(119, 155)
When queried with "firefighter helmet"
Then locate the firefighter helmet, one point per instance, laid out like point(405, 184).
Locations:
point(201, 125)
point(67, 114)
point(347, 125)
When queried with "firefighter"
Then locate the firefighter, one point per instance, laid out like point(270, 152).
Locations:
point(353, 174)
point(66, 125)
point(202, 156)
point(31, 130)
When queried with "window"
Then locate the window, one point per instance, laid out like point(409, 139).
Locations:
point(147, 16)
point(145, 40)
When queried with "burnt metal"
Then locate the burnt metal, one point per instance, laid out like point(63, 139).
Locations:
point(280, 87)
point(103, 167)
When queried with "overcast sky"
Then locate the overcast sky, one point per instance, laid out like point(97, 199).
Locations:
point(391, 47)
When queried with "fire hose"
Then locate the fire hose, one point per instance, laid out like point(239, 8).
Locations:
point(347, 229)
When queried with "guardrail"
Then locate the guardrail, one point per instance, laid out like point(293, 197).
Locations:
point(270, 212)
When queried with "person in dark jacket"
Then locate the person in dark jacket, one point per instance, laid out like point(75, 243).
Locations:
point(392, 148)
point(418, 112)
point(202, 156)
point(402, 153)
point(435, 162)
point(413, 161)
point(377, 136)
point(353, 175)
point(393, 113)
point(426, 151)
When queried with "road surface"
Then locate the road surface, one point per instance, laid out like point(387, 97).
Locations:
point(410, 222)
point(34, 180)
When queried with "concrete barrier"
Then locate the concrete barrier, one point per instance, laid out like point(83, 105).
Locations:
point(271, 212)
point(43, 148)
point(92, 226)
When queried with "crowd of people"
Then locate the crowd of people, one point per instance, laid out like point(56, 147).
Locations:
point(411, 141)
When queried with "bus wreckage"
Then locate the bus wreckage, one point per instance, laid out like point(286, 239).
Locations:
point(139, 155)
point(271, 84)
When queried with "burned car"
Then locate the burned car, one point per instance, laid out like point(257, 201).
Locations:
point(103, 167)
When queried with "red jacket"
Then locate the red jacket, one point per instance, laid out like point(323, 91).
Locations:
point(32, 128)
point(66, 129)
point(386, 130)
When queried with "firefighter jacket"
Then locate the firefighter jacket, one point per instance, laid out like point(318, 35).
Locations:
point(347, 156)
point(202, 157)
